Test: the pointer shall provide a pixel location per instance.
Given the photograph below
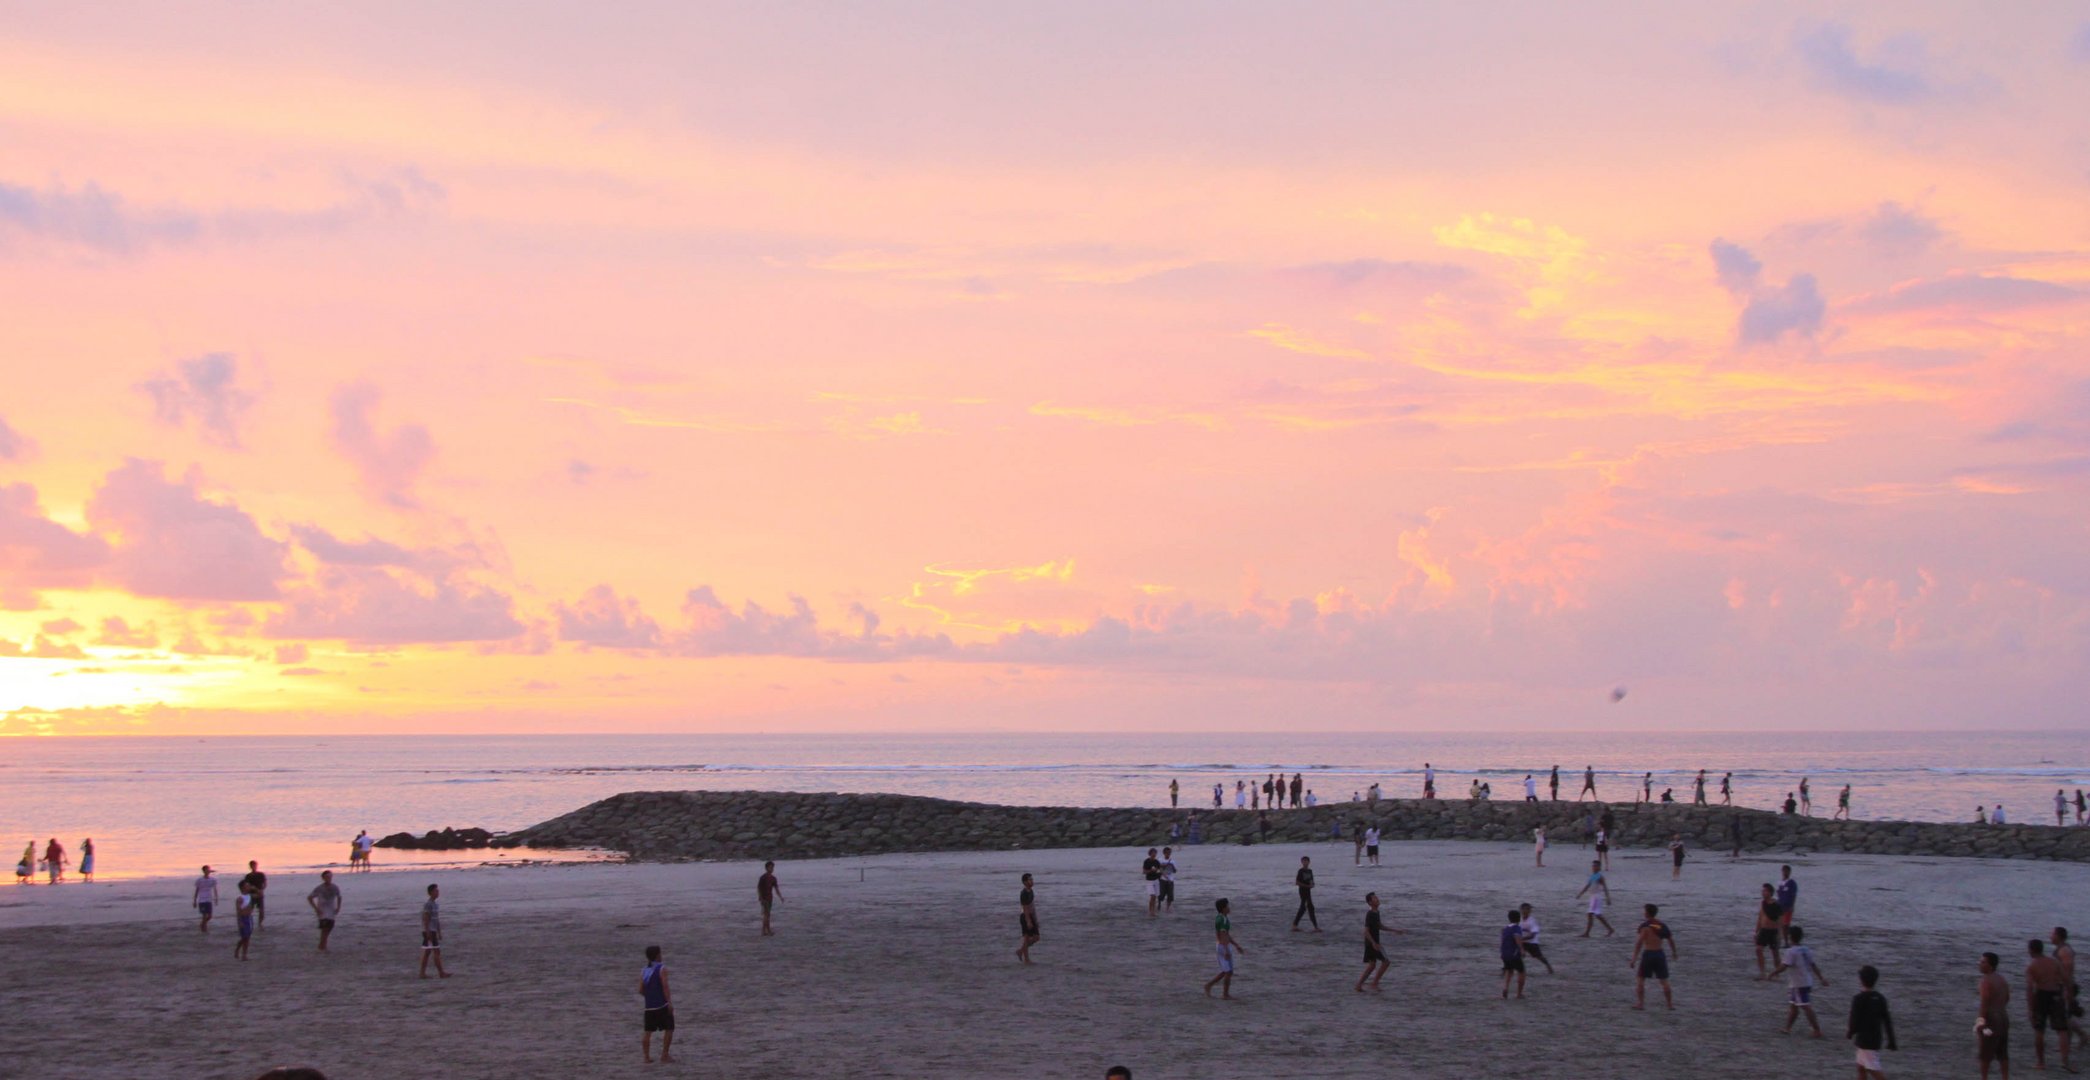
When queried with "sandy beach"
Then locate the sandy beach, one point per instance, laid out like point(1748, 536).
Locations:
point(902, 966)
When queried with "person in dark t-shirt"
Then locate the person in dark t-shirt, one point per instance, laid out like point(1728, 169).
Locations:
point(1305, 880)
point(1151, 868)
point(1513, 953)
point(1871, 1028)
point(768, 891)
point(1375, 961)
point(258, 883)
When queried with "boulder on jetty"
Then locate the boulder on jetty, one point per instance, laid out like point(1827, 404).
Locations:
point(439, 840)
point(682, 825)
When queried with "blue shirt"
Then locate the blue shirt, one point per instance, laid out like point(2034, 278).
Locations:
point(1788, 891)
point(1511, 946)
point(656, 993)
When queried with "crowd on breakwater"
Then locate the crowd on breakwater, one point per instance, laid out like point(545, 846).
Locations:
point(680, 825)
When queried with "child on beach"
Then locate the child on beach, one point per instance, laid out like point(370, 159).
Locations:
point(660, 1009)
point(243, 907)
point(432, 934)
point(1871, 1028)
point(1223, 932)
point(1801, 977)
point(1599, 893)
point(1375, 961)
point(1513, 954)
point(1529, 922)
point(206, 898)
point(1538, 842)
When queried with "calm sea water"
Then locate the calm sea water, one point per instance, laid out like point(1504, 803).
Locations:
point(161, 806)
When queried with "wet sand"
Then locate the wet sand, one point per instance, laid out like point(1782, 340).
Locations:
point(909, 971)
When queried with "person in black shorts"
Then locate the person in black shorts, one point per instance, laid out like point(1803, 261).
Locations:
point(257, 883)
point(1649, 961)
point(1770, 919)
point(660, 1010)
point(1305, 880)
point(1375, 961)
point(1168, 879)
point(1027, 921)
point(2046, 999)
point(1513, 953)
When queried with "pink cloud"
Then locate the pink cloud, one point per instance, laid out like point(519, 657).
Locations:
point(39, 553)
point(388, 463)
point(377, 606)
point(172, 542)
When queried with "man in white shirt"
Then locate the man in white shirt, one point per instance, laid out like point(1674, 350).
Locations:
point(325, 901)
point(1529, 925)
point(1801, 977)
point(1371, 844)
point(1530, 788)
point(206, 897)
point(1998, 818)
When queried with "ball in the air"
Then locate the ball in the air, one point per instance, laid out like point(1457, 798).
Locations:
point(1618, 694)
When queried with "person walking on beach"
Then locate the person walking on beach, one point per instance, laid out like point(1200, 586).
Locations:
point(1802, 975)
point(1530, 789)
point(1150, 868)
point(1599, 892)
point(1538, 844)
point(87, 860)
point(1676, 856)
point(1371, 843)
point(1806, 798)
point(1357, 837)
point(1529, 924)
point(205, 891)
point(1647, 788)
point(1223, 933)
point(1734, 835)
point(1589, 783)
point(2046, 1000)
point(1168, 879)
point(325, 902)
point(1174, 792)
point(1788, 900)
point(1992, 1029)
point(1604, 848)
point(1871, 1029)
point(1648, 959)
point(243, 910)
point(1553, 784)
point(1513, 954)
point(1027, 919)
point(1698, 789)
point(1843, 804)
point(1727, 790)
point(2064, 954)
point(659, 1009)
point(1304, 879)
point(257, 883)
point(54, 862)
point(1770, 927)
point(768, 891)
point(432, 934)
point(1375, 961)
point(2060, 808)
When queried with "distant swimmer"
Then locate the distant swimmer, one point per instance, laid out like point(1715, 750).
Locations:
point(1223, 934)
point(1513, 953)
point(768, 892)
point(1375, 961)
point(1992, 1028)
point(1648, 960)
point(659, 1012)
point(1304, 879)
point(1529, 924)
point(206, 898)
point(1802, 975)
point(1871, 1028)
point(1599, 893)
point(1589, 783)
point(1027, 919)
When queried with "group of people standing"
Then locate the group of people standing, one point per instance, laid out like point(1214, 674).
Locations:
point(53, 862)
point(1276, 792)
point(1272, 793)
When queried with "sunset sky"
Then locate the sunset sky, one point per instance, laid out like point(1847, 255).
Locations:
point(553, 367)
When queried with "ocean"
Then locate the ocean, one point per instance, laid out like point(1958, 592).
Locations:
point(162, 806)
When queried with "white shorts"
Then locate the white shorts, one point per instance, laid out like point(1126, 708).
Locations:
point(1226, 959)
point(1154, 888)
point(1870, 1059)
point(1596, 904)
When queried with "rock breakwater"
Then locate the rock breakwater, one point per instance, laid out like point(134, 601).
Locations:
point(681, 825)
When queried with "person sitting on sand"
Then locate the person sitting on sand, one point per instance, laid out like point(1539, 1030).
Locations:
point(26, 866)
point(1223, 933)
point(1513, 954)
point(1027, 919)
point(1648, 959)
point(1599, 892)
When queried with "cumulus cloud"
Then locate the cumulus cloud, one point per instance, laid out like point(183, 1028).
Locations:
point(294, 653)
point(121, 634)
point(715, 629)
point(1737, 270)
point(43, 648)
point(204, 390)
point(62, 627)
point(602, 618)
point(388, 463)
point(1897, 231)
point(1894, 75)
point(14, 446)
point(1794, 308)
point(370, 551)
point(172, 542)
point(378, 606)
point(39, 553)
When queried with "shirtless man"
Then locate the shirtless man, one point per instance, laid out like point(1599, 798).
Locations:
point(2046, 999)
point(1599, 893)
point(1648, 961)
point(2064, 954)
point(1026, 919)
point(1992, 1033)
point(1770, 922)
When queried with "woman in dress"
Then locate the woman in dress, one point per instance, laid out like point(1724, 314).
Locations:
point(87, 860)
